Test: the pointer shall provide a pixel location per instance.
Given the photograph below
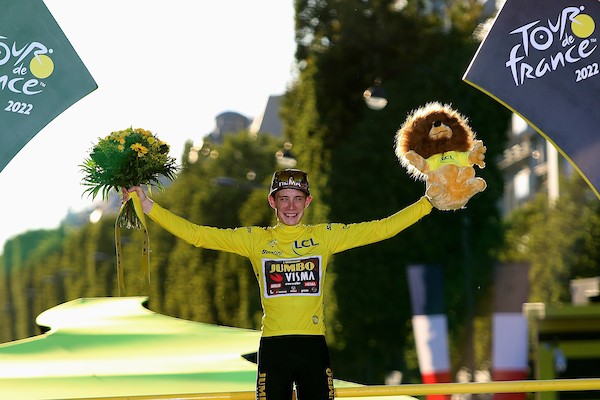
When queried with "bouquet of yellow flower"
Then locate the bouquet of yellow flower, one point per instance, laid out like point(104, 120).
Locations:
point(123, 159)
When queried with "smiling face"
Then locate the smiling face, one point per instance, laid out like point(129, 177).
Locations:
point(289, 205)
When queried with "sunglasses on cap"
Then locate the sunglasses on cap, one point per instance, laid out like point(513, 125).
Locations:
point(290, 179)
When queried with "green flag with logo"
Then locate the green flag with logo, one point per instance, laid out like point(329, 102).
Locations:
point(41, 75)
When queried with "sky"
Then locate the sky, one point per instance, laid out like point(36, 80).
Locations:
point(166, 66)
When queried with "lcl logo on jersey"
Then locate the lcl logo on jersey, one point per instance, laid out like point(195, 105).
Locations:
point(303, 244)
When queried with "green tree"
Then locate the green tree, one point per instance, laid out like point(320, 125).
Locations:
point(18, 288)
point(560, 241)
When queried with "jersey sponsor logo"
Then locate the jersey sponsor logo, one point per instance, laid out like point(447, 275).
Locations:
point(298, 277)
point(274, 252)
point(285, 266)
point(447, 159)
point(299, 245)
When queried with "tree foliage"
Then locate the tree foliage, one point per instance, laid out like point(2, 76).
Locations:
point(559, 241)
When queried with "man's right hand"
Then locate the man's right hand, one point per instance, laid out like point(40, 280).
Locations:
point(147, 202)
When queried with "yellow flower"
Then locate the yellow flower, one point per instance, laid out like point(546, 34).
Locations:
point(121, 147)
point(142, 131)
point(139, 148)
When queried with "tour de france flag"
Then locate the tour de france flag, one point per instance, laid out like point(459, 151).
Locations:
point(41, 75)
point(541, 60)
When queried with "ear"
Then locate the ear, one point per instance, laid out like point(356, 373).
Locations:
point(272, 202)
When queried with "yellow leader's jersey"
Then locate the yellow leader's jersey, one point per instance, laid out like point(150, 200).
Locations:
point(290, 262)
point(460, 158)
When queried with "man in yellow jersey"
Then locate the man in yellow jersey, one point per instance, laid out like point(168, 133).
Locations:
point(289, 260)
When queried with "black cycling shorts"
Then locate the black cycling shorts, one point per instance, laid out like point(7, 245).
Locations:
point(299, 359)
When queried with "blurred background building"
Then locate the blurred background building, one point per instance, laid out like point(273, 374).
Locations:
point(530, 164)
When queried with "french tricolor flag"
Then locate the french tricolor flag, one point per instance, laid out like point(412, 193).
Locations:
point(430, 324)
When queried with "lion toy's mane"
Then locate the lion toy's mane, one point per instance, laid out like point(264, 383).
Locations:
point(436, 144)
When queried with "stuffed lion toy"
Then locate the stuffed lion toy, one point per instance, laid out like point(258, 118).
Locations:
point(436, 144)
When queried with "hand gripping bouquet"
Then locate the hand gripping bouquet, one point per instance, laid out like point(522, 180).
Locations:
point(123, 159)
